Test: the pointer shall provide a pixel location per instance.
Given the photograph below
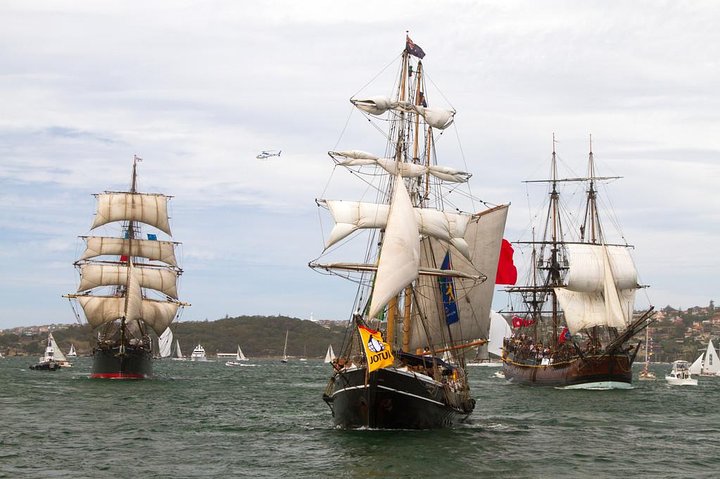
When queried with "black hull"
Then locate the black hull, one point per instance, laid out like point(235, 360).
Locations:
point(591, 372)
point(46, 366)
point(394, 399)
point(134, 363)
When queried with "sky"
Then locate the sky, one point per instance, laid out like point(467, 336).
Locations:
point(199, 88)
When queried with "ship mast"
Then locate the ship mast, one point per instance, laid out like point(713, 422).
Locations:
point(554, 276)
point(591, 217)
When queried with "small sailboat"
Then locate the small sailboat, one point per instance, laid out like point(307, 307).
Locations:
point(165, 341)
point(239, 358)
point(708, 363)
point(72, 353)
point(285, 358)
point(198, 354)
point(178, 356)
point(128, 282)
point(646, 374)
point(680, 375)
point(52, 359)
point(329, 355)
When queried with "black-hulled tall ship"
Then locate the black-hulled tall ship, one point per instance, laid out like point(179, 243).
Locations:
point(426, 273)
point(575, 322)
point(128, 283)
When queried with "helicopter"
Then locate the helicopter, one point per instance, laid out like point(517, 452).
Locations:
point(267, 154)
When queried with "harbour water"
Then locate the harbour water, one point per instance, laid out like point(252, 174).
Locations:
point(268, 421)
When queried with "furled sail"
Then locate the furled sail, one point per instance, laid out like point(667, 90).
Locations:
point(147, 208)
point(93, 275)
point(407, 170)
point(435, 117)
point(601, 285)
point(400, 254)
point(350, 216)
point(473, 298)
point(151, 249)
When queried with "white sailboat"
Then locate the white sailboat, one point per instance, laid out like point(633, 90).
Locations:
point(708, 363)
point(330, 354)
point(239, 358)
point(680, 375)
point(178, 352)
point(72, 353)
point(285, 358)
point(53, 351)
point(165, 341)
point(52, 357)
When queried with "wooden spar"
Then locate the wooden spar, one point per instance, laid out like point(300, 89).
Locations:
point(406, 319)
point(479, 342)
point(391, 311)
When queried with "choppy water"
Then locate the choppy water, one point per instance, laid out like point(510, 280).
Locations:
point(209, 420)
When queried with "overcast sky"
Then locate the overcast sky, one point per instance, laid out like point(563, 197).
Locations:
point(199, 88)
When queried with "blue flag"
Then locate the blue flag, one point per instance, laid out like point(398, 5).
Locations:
point(447, 290)
point(152, 237)
point(413, 49)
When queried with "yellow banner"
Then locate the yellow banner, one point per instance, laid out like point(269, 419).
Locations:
point(378, 352)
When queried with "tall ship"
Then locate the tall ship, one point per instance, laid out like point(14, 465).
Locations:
point(128, 281)
point(573, 321)
point(427, 255)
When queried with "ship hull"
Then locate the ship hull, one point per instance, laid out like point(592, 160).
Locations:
point(589, 372)
point(134, 363)
point(393, 399)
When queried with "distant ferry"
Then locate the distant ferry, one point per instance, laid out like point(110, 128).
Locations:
point(198, 354)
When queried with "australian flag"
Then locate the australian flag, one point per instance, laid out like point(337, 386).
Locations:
point(447, 290)
point(413, 49)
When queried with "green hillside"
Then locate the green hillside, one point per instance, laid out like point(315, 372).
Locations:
point(258, 336)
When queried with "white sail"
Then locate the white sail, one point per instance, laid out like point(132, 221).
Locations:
point(473, 298)
point(104, 309)
point(711, 362)
point(400, 254)
point(57, 352)
point(350, 216)
point(601, 285)
point(240, 356)
point(165, 341)
point(147, 208)
point(93, 275)
point(696, 366)
point(154, 250)
point(329, 355)
point(437, 117)
point(72, 353)
point(178, 351)
point(499, 330)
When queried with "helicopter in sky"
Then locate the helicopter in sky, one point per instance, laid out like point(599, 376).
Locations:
point(268, 153)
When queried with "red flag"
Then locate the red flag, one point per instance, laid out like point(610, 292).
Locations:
point(517, 321)
point(564, 335)
point(506, 272)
